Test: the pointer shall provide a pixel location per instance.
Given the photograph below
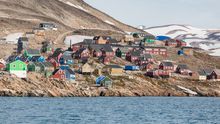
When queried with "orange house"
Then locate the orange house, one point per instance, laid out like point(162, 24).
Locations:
point(101, 39)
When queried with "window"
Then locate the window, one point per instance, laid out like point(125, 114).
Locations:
point(62, 76)
point(60, 72)
point(14, 66)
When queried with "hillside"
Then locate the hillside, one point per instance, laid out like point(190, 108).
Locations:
point(67, 14)
point(207, 39)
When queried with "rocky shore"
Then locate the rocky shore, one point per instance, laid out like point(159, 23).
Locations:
point(37, 86)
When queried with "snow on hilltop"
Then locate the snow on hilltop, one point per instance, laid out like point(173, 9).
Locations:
point(73, 5)
point(204, 38)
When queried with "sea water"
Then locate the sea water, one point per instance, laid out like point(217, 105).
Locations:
point(110, 110)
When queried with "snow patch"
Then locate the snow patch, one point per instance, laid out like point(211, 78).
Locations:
point(177, 31)
point(73, 5)
point(76, 39)
point(13, 38)
point(215, 52)
point(109, 22)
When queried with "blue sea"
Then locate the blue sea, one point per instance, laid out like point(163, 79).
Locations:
point(107, 110)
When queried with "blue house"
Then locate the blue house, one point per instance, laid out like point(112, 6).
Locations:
point(70, 75)
point(131, 68)
point(180, 52)
point(64, 67)
point(37, 59)
point(104, 82)
point(66, 59)
point(162, 38)
point(99, 79)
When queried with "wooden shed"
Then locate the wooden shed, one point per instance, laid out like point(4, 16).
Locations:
point(87, 69)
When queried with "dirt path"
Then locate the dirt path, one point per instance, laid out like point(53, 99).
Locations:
point(61, 37)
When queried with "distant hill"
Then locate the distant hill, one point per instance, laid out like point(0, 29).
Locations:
point(68, 14)
point(208, 39)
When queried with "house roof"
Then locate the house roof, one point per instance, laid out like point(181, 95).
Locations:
point(208, 71)
point(182, 66)
point(80, 50)
point(114, 66)
point(55, 71)
point(23, 39)
point(136, 53)
point(11, 58)
point(154, 47)
point(167, 63)
point(124, 49)
point(34, 58)
point(201, 72)
point(88, 41)
point(104, 37)
point(48, 24)
point(47, 64)
point(187, 47)
point(171, 40)
point(148, 56)
point(95, 47)
point(57, 52)
point(67, 57)
point(145, 57)
point(70, 71)
point(36, 64)
point(113, 41)
point(149, 37)
point(87, 67)
point(217, 71)
point(107, 48)
point(33, 51)
point(99, 47)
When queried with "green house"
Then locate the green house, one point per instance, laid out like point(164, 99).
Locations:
point(32, 52)
point(46, 47)
point(35, 67)
point(17, 68)
point(47, 69)
point(149, 39)
point(106, 82)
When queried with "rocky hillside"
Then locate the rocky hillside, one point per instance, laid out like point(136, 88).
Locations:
point(68, 14)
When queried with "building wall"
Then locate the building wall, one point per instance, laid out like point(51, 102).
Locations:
point(20, 74)
point(118, 71)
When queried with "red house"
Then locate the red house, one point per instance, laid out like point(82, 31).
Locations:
point(145, 58)
point(215, 75)
point(2, 66)
point(183, 69)
point(76, 47)
point(171, 43)
point(59, 74)
point(105, 60)
point(181, 43)
point(54, 62)
point(155, 50)
point(146, 67)
point(96, 53)
point(95, 50)
point(155, 73)
point(166, 66)
point(133, 56)
point(82, 53)
point(107, 51)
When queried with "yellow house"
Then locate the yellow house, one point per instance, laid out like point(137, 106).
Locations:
point(188, 51)
point(128, 38)
point(115, 70)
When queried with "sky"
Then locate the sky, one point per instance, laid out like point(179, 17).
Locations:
point(198, 13)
